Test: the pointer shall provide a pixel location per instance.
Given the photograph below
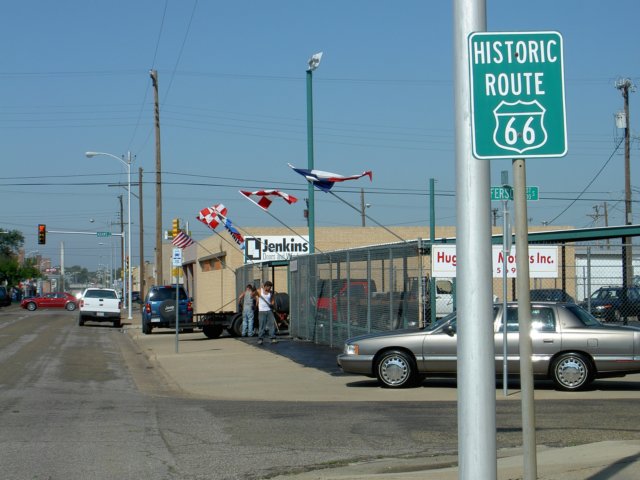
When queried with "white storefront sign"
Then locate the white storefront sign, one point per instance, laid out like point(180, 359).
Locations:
point(275, 248)
point(543, 261)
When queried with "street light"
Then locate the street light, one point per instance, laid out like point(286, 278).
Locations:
point(313, 63)
point(127, 163)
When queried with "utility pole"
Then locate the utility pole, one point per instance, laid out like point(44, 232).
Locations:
point(625, 85)
point(141, 274)
point(362, 206)
point(121, 240)
point(159, 280)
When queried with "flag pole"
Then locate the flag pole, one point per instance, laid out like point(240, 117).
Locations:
point(367, 216)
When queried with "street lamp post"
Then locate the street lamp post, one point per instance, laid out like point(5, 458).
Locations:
point(127, 163)
point(313, 63)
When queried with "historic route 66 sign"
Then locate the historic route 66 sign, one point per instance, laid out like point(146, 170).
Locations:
point(517, 95)
point(519, 126)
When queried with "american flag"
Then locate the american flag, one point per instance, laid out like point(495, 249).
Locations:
point(264, 201)
point(210, 216)
point(182, 240)
point(325, 180)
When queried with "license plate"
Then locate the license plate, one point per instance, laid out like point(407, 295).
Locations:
point(155, 320)
point(100, 314)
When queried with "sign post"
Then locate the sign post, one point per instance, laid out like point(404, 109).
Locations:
point(176, 259)
point(517, 111)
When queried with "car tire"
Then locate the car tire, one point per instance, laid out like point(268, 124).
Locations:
point(571, 371)
point(70, 306)
point(146, 327)
point(396, 369)
point(212, 331)
point(80, 320)
point(117, 323)
point(31, 306)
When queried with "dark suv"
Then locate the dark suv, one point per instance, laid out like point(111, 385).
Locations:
point(609, 304)
point(5, 297)
point(159, 308)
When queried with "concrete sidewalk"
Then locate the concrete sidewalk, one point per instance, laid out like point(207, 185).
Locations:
point(237, 369)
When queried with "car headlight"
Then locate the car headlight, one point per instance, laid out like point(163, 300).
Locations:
point(351, 349)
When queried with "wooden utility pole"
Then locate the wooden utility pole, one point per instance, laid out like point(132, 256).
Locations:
point(362, 206)
point(141, 274)
point(159, 278)
point(121, 239)
point(625, 85)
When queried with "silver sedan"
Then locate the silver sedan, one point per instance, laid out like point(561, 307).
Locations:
point(570, 347)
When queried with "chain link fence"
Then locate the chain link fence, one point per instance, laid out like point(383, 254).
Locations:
point(338, 295)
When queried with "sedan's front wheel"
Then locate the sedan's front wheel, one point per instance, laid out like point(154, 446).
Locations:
point(571, 371)
point(396, 369)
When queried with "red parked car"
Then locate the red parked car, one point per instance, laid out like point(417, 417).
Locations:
point(51, 300)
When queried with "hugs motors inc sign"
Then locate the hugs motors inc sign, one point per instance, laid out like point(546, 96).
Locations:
point(275, 248)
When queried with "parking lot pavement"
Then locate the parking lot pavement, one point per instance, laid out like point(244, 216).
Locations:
point(293, 370)
point(238, 369)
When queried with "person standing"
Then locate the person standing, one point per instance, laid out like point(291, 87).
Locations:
point(248, 302)
point(266, 320)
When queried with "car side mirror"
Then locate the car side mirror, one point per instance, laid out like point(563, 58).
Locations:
point(449, 330)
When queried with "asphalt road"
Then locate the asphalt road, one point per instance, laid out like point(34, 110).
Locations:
point(84, 403)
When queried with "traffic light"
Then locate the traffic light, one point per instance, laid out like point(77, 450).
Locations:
point(42, 234)
point(176, 227)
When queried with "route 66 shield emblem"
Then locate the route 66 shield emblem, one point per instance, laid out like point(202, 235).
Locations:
point(519, 126)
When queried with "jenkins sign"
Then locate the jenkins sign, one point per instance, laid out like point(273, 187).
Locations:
point(275, 248)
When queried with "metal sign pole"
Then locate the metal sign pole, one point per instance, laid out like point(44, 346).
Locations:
point(524, 320)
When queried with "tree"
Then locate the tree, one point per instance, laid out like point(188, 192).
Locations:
point(11, 241)
point(11, 273)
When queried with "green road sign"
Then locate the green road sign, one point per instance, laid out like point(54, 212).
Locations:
point(103, 234)
point(505, 192)
point(532, 193)
point(517, 95)
point(502, 193)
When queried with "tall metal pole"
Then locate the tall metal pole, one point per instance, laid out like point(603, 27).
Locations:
point(310, 188)
point(130, 262)
point(524, 320)
point(159, 276)
point(476, 361)
point(141, 273)
point(432, 240)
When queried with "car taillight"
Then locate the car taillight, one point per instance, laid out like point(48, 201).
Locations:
point(81, 303)
point(147, 308)
point(189, 307)
point(119, 305)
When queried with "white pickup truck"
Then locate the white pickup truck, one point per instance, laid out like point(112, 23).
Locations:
point(100, 305)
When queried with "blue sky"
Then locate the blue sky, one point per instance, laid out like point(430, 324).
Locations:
point(75, 77)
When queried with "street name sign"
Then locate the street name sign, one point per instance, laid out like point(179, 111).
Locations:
point(517, 95)
point(505, 192)
point(103, 234)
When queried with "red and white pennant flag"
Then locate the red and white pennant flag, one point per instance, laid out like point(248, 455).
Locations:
point(210, 216)
point(182, 240)
point(264, 197)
